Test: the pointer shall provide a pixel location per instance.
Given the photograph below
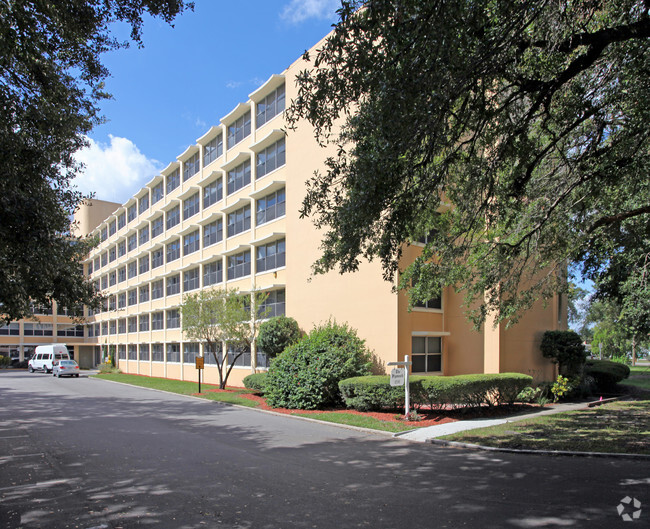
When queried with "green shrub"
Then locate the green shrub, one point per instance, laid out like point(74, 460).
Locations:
point(622, 359)
point(5, 361)
point(107, 367)
point(277, 334)
point(375, 392)
point(255, 382)
point(529, 395)
point(606, 373)
point(307, 374)
point(566, 349)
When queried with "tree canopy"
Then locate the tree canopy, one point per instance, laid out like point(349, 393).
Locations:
point(514, 135)
point(51, 82)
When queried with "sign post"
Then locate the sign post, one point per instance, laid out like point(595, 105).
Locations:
point(199, 366)
point(399, 376)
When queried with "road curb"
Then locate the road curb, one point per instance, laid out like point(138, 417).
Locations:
point(457, 444)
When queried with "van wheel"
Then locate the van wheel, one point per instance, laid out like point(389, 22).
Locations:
point(30, 369)
point(77, 375)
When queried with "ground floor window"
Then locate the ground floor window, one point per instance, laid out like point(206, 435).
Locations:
point(209, 356)
point(173, 352)
point(190, 352)
point(157, 352)
point(426, 354)
point(144, 351)
point(244, 359)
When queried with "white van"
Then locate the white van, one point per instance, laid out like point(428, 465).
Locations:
point(45, 355)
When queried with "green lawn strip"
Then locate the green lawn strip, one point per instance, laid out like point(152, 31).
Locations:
point(639, 377)
point(619, 427)
point(357, 420)
point(182, 388)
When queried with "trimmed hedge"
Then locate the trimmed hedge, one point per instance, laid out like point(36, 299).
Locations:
point(375, 392)
point(255, 381)
point(606, 373)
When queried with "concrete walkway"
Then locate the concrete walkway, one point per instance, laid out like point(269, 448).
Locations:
point(423, 435)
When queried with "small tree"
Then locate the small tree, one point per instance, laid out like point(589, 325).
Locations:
point(277, 334)
point(564, 348)
point(223, 316)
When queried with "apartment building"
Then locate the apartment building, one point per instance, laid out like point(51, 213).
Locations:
point(224, 213)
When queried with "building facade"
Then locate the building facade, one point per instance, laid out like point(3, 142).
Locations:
point(225, 213)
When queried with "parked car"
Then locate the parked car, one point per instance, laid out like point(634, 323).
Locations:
point(65, 368)
point(45, 355)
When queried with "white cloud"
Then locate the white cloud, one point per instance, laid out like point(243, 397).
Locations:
point(114, 171)
point(300, 10)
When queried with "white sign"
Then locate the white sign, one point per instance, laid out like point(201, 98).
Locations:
point(397, 376)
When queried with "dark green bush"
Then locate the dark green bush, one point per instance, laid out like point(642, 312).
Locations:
point(277, 334)
point(307, 374)
point(255, 382)
point(375, 392)
point(606, 373)
point(566, 349)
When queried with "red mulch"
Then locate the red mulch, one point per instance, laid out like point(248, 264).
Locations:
point(427, 417)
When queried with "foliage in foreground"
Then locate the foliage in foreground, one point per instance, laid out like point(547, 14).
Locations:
point(255, 382)
point(531, 118)
point(606, 373)
point(564, 348)
point(307, 374)
point(276, 334)
point(375, 392)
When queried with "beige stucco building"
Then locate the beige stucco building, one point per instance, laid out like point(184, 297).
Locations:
point(225, 213)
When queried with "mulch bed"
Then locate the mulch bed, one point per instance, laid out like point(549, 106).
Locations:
point(426, 417)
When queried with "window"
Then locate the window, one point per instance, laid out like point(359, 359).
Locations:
point(190, 352)
point(121, 352)
point(104, 259)
point(271, 158)
point(112, 278)
point(89, 267)
point(270, 256)
point(157, 193)
point(191, 242)
point(212, 193)
point(239, 177)
point(133, 296)
point(112, 302)
point(112, 228)
point(144, 293)
point(157, 352)
point(173, 181)
point(212, 273)
point(212, 150)
point(105, 282)
point(13, 329)
point(144, 352)
point(239, 130)
point(133, 324)
point(91, 331)
point(121, 300)
point(143, 235)
point(144, 322)
point(111, 254)
point(426, 354)
point(191, 206)
point(191, 167)
point(173, 319)
point(173, 217)
point(121, 249)
point(239, 221)
point(243, 360)
point(191, 279)
point(133, 242)
point(121, 221)
point(76, 331)
point(98, 329)
point(208, 355)
point(157, 321)
point(173, 250)
point(433, 303)
point(133, 352)
point(173, 352)
point(157, 227)
point(270, 106)
point(131, 213)
point(121, 326)
point(143, 204)
point(157, 290)
point(105, 328)
point(173, 285)
point(275, 302)
point(144, 264)
point(96, 263)
point(212, 233)
point(239, 265)
point(104, 234)
point(270, 207)
point(132, 269)
point(121, 274)
point(157, 258)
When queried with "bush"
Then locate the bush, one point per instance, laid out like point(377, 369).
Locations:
point(606, 373)
point(529, 395)
point(375, 392)
point(566, 349)
point(307, 374)
point(255, 382)
point(277, 334)
point(107, 367)
point(5, 361)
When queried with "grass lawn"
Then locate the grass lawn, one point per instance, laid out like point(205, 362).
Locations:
point(618, 427)
point(639, 377)
point(361, 421)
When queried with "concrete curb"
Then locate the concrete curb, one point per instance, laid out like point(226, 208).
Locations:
point(456, 444)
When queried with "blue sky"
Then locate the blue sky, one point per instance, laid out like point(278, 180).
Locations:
point(167, 94)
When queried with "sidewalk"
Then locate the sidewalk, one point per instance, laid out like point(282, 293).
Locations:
point(423, 435)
